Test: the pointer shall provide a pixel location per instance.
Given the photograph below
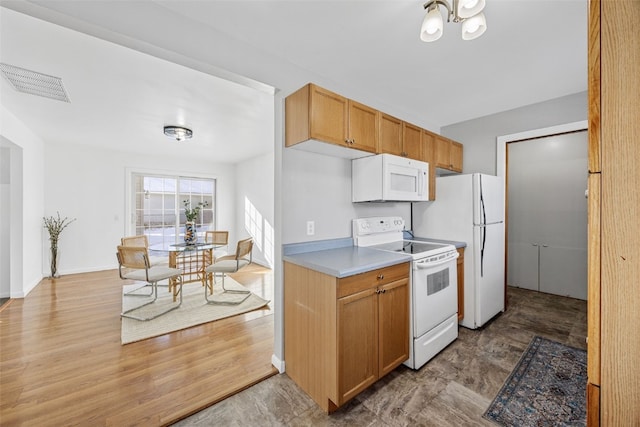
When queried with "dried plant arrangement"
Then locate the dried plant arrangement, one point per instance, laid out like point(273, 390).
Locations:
point(55, 225)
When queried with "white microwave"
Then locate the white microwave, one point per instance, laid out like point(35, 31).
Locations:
point(389, 178)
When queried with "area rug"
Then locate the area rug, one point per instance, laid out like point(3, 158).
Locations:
point(546, 388)
point(193, 311)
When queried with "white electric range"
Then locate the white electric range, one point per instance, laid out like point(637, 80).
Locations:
point(434, 293)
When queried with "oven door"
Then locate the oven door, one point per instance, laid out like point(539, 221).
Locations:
point(435, 292)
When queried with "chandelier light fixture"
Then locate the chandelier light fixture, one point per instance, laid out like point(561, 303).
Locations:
point(178, 133)
point(468, 12)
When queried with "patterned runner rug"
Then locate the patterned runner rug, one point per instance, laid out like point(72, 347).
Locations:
point(546, 388)
point(193, 311)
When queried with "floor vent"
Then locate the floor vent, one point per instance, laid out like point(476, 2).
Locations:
point(35, 83)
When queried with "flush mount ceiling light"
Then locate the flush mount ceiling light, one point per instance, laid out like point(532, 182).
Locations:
point(468, 12)
point(178, 133)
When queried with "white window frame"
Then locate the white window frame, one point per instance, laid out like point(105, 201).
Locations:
point(130, 203)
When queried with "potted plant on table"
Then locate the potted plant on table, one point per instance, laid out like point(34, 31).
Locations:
point(55, 225)
point(190, 231)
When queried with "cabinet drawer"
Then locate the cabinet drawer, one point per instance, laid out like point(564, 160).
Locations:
point(373, 278)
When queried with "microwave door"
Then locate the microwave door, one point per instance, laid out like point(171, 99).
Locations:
point(402, 183)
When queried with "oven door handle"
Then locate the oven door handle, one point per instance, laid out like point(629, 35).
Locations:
point(424, 265)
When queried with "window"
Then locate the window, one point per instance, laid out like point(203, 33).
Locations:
point(159, 206)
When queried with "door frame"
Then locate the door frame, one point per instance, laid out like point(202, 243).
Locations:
point(501, 169)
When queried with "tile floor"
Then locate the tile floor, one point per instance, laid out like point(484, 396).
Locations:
point(453, 389)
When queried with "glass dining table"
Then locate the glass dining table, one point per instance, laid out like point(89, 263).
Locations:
point(192, 259)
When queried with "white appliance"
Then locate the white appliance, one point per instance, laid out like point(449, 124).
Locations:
point(434, 293)
point(385, 177)
point(470, 208)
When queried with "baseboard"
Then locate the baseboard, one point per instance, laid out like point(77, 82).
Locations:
point(279, 364)
point(84, 270)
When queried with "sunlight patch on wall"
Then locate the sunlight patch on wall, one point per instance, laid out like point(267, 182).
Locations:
point(260, 229)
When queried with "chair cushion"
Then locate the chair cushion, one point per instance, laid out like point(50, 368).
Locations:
point(155, 274)
point(159, 260)
point(227, 266)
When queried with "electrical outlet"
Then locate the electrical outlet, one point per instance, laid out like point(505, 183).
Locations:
point(311, 228)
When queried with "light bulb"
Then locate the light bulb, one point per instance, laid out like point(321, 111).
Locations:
point(474, 27)
point(432, 25)
point(468, 8)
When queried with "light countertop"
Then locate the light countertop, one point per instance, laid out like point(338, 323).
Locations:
point(341, 260)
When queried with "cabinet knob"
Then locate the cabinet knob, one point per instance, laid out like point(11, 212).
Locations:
point(380, 276)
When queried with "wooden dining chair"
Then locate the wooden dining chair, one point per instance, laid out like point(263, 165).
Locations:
point(229, 264)
point(220, 239)
point(143, 241)
point(133, 264)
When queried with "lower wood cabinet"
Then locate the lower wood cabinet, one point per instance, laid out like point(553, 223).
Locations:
point(342, 335)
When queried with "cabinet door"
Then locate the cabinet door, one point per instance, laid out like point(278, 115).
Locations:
point(329, 113)
point(393, 312)
point(412, 140)
point(390, 135)
point(363, 127)
point(357, 343)
point(428, 153)
point(456, 156)
point(443, 152)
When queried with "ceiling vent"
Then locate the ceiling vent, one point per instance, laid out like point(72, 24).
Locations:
point(35, 83)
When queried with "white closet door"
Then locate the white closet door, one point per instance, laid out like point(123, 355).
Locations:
point(547, 179)
point(522, 269)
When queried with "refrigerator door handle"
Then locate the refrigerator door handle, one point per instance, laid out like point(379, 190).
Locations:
point(483, 232)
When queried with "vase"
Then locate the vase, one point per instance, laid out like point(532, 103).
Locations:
point(190, 233)
point(54, 262)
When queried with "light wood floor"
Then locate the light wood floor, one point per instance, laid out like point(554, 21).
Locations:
point(61, 361)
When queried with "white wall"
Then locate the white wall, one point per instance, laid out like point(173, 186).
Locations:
point(90, 185)
point(479, 135)
point(318, 188)
point(27, 203)
point(255, 181)
point(5, 215)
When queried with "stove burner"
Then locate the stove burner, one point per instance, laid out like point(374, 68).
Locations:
point(410, 247)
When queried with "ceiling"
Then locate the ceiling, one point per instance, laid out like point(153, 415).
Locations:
point(214, 65)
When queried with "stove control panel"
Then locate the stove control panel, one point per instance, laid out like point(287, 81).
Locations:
point(377, 225)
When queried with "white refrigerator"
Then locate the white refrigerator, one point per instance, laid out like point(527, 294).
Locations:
point(470, 208)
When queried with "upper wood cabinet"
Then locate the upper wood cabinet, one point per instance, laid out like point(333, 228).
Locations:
point(390, 136)
point(448, 154)
point(363, 127)
point(400, 138)
point(428, 154)
point(316, 113)
point(412, 141)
